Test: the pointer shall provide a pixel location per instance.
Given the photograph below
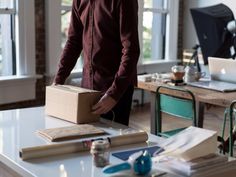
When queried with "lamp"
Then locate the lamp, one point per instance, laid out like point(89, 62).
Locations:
point(211, 27)
point(231, 27)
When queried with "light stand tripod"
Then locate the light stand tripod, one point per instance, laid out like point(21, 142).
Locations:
point(195, 57)
point(234, 46)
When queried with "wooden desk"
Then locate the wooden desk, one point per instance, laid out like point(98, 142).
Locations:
point(202, 96)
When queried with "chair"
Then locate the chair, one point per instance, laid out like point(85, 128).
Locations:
point(174, 101)
point(228, 144)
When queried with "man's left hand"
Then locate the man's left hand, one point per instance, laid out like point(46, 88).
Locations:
point(105, 104)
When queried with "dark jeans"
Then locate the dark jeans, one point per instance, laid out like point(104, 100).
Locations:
point(122, 108)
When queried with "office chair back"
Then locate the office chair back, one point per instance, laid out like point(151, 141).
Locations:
point(232, 131)
point(177, 102)
point(227, 146)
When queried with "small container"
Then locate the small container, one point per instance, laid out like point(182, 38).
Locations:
point(178, 72)
point(100, 150)
point(190, 74)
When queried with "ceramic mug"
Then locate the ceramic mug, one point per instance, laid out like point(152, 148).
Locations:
point(199, 75)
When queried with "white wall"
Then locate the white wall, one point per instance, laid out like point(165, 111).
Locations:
point(189, 35)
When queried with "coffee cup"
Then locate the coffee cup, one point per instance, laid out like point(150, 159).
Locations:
point(178, 72)
point(199, 75)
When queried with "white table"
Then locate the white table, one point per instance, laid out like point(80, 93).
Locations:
point(17, 130)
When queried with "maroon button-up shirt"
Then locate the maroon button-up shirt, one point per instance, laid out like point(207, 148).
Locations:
point(107, 32)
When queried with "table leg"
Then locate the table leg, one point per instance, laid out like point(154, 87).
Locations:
point(200, 113)
point(153, 125)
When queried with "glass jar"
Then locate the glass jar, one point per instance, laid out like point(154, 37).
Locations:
point(100, 151)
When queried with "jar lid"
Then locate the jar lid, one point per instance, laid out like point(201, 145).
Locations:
point(100, 145)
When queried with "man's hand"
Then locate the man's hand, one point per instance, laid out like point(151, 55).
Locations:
point(105, 104)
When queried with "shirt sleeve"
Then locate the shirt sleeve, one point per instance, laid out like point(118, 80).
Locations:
point(128, 20)
point(73, 46)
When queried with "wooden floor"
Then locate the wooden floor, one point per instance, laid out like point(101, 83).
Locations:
point(140, 118)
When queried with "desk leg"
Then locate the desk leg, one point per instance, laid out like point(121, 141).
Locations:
point(200, 113)
point(153, 125)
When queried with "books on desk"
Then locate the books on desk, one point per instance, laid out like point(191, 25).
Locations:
point(192, 152)
point(209, 165)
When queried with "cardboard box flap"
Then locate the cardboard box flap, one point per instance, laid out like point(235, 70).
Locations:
point(74, 89)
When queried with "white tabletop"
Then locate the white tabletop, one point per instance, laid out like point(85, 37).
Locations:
point(17, 130)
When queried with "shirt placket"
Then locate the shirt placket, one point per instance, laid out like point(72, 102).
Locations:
point(91, 27)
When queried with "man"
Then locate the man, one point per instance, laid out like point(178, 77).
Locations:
point(107, 32)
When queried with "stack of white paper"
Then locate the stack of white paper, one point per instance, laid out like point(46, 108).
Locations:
point(190, 143)
point(194, 167)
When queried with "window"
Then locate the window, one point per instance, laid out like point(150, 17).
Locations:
point(17, 51)
point(158, 22)
point(152, 28)
point(65, 20)
point(17, 38)
point(7, 38)
point(153, 15)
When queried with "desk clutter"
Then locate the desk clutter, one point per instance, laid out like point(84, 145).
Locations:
point(179, 75)
point(191, 152)
point(209, 165)
point(164, 77)
point(167, 78)
point(140, 163)
point(128, 138)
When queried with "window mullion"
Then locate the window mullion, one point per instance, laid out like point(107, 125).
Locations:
point(172, 30)
point(13, 42)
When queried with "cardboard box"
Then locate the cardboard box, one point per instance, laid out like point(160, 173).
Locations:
point(71, 103)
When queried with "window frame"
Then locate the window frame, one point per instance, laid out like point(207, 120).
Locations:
point(25, 34)
point(154, 11)
point(11, 66)
point(21, 87)
point(170, 48)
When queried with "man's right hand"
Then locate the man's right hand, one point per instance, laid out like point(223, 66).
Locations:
point(104, 105)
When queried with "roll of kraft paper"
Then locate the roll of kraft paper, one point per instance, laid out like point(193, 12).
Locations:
point(72, 147)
